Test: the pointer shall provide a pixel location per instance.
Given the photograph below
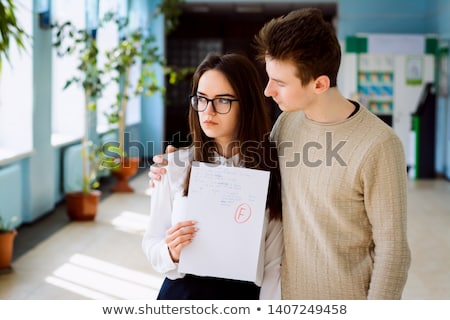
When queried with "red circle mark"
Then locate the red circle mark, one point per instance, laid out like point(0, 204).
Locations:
point(243, 213)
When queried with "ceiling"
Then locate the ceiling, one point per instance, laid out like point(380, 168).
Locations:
point(242, 7)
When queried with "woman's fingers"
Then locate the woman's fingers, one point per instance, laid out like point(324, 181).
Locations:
point(155, 174)
point(179, 236)
point(181, 227)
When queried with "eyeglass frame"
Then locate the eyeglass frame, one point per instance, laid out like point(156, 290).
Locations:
point(212, 103)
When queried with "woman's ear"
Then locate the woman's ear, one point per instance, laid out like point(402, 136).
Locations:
point(322, 83)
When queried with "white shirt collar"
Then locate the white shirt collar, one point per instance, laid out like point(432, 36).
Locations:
point(229, 162)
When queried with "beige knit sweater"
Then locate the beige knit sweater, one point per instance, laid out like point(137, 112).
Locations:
point(344, 208)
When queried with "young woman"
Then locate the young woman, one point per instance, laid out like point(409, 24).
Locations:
point(229, 124)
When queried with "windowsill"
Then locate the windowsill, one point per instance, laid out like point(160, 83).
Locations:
point(104, 129)
point(8, 156)
point(62, 140)
point(133, 123)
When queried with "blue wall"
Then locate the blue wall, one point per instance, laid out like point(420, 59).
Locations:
point(42, 165)
point(36, 184)
point(152, 112)
point(382, 16)
point(439, 18)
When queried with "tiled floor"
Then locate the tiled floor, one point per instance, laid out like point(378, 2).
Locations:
point(103, 259)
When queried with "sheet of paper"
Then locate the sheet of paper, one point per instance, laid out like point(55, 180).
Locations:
point(229, 205)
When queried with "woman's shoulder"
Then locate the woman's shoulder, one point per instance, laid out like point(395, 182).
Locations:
point(180, 158)
point(178, 163)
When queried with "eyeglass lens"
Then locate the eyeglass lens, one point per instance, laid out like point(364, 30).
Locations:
point(220, 105)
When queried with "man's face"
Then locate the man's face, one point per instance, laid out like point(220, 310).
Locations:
point(285, 87)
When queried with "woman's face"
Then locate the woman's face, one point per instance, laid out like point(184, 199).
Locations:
point(221, 127)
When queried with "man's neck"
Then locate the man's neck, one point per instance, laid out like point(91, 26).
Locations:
point(330, 107)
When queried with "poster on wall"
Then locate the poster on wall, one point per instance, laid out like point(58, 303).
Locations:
point(414, 70)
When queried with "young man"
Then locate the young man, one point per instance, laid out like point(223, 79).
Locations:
point(343, 172)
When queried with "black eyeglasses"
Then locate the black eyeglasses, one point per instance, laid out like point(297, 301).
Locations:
point(220, 105)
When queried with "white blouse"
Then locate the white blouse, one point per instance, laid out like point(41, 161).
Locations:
point(167, 208)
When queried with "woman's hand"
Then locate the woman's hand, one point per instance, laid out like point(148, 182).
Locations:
point(179, 236)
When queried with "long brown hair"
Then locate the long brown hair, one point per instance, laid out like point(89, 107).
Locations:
point(252, 136)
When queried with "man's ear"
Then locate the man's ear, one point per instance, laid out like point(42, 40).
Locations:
point(322, 83)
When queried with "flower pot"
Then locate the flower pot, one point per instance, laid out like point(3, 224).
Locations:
point(127, 169)
point(6, 248)
point(82, 206)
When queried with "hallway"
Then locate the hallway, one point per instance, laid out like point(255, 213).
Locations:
point(103, 259)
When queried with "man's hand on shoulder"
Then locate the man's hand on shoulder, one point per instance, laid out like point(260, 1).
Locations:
point(157, 169)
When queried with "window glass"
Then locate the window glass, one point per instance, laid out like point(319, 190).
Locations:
point(67, 104)
point(107, 38)
point(16, 92)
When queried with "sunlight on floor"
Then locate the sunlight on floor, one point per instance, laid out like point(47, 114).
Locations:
point(132, 222)
point(97, 279)
point(148, 191)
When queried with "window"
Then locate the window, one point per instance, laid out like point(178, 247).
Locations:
point(16, 93)
point(107, 38)
point(68, 104)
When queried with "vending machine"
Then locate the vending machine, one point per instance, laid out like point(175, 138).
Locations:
point(423, 130)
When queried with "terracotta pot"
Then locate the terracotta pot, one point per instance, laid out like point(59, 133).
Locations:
point(81, 206)
point(127, 169)
point(6, 248)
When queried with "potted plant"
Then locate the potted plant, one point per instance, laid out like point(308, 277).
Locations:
point(7, 234)
point(135, 51)
point(9, 30)
point(82, 204)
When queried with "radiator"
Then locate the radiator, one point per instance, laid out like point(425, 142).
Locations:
point(72, 169)
point(11, 194)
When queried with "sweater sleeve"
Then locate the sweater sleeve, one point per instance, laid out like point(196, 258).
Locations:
point(160, 220)
point(384, 179)
point(271, 283)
